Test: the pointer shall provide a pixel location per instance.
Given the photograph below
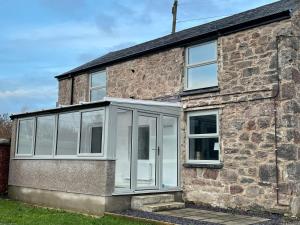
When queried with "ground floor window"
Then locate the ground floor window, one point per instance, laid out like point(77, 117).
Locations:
point(25, 137)
point(67, 134)
point(45, 135)
point(203, 137)
point(91, 132)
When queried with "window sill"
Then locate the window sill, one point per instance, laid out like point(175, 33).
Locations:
point(199, 91)
point(203, 165)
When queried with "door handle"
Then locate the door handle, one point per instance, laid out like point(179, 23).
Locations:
point(156, 149)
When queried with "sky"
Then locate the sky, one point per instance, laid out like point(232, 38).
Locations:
point(43, 38)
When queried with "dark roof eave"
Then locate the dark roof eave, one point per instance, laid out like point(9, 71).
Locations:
point(218, 32)
point(61, 109)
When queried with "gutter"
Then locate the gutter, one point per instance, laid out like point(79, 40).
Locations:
point(61, 109)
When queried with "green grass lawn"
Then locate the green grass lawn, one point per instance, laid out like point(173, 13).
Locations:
point(17, 213)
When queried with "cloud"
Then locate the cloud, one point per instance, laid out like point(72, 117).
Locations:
point(13, 101)
point(106, 23)
point(45, 91)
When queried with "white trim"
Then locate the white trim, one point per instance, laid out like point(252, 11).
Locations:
point(142, 102)
point(213, 135)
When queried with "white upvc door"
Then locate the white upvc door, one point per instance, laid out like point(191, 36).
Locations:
point(146, 152)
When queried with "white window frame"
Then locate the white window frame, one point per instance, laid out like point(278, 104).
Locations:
point(210, 135)
point(96, 87)
point(78, 136)
point(200, 64)
point(54, 155)
point(33, 138)
point(103, 135)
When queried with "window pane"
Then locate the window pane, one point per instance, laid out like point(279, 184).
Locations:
point(143, 142)
point(98, 94)
point(45, 135)
point(91, 132)
point(170, 154)
point(202, 76)
point(25, 141)
point(98, 79)
point(68, 129)
point(147, 151)
point(123, 149)
point(203, 149)
point(206, 124)
point(202, 53)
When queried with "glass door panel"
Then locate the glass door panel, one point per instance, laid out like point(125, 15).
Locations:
point(147, 149)
point(170, 152)
point(123, 150)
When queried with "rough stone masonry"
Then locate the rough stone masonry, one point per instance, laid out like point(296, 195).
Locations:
point(249, 65)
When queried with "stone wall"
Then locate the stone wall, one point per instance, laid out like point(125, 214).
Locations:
point(64, 91)
point(247, 63)
point(293, 66)
point(147, 77)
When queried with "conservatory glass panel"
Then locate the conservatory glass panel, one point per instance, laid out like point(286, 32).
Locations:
point(91, 132)
point(123, 149)
point(68, 133)
point(45, 135)
point(170, 152)
point(25, 140)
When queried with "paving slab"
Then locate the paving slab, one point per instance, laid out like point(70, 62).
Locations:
point(213, 217)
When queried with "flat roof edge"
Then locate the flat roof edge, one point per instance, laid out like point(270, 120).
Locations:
point(61, 109)
point(142, 102)
point(89, 105)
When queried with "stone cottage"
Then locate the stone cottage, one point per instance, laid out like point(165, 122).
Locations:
point(209, 115)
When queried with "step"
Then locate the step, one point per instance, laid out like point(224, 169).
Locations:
point(138, 201)
point(162, 206)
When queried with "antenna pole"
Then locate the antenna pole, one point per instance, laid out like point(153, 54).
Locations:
point(174, 13)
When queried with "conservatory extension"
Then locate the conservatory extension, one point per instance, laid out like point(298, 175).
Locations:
point(138, 140)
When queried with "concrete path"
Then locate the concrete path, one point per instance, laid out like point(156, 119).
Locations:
point(213, 217)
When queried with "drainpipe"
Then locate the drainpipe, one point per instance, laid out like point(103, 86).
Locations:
point(278, 38)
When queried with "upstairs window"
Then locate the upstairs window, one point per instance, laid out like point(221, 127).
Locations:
point(203, 137)
point(97, 85)
point(201, 66)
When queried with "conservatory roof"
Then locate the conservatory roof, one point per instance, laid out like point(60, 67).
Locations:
point(89, 105)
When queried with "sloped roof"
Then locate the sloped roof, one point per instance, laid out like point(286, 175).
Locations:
point(254, 17)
